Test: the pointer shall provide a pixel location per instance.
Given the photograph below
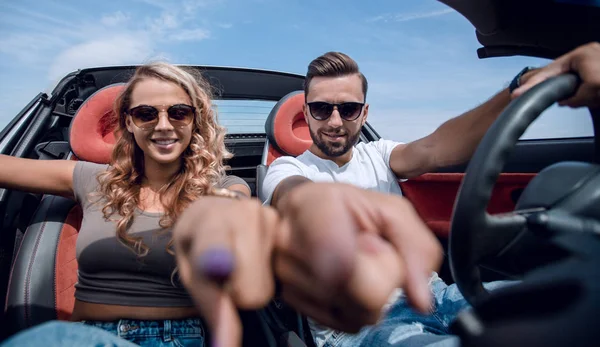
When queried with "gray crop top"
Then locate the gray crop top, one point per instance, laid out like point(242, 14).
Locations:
point(109, 272)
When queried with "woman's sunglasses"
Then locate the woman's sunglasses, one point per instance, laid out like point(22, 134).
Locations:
point(146, 117)
point(349, 111)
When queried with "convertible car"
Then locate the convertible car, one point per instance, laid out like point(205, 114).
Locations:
point(520, 209)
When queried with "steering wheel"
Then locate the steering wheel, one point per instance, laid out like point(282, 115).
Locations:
point(475, 234)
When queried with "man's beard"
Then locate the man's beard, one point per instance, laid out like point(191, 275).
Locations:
point(335, 149)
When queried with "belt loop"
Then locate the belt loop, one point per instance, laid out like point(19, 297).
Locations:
point(167, 330)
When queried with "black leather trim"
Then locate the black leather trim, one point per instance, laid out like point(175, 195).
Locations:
point(31, 298)
point(270, 122)
point(532, 156)
point(261, 173)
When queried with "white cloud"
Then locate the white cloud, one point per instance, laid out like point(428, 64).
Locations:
point(225, 25)
point(190, 35)
point(193, 5)
point(13, 25)
point(30, 48)
point(378, 18)
point(66, 9)
point(167, 21)
point(115, 19)
point(39, 16)
point(117, 50)
point(409, 16)
point(187, 5)
point(114, 39)
point(162, 4)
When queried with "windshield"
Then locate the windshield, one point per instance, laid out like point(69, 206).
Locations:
point(243, 116)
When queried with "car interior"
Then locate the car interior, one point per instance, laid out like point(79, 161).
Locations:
point(554, 254)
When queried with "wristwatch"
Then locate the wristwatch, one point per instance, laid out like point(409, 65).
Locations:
point(516, 82)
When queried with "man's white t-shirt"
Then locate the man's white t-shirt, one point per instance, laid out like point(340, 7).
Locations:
point(369, 168)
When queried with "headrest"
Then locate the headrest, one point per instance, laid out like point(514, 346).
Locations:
point(286, 128)
point(91, 134)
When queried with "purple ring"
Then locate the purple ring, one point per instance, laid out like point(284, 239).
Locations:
point(216, 263)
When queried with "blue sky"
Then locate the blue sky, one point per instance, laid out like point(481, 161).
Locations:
point(418, 55)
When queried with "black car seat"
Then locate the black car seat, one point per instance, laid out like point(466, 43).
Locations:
point(44, 272)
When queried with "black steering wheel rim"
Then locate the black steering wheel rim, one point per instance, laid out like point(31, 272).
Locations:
point(475, 234)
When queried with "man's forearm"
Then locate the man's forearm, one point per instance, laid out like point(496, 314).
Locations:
point(455, 141)
point(459, 137)
point(285, 186)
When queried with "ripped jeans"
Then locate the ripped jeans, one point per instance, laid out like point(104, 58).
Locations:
point(402, 326)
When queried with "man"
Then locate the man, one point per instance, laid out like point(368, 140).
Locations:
point(339, 236)
point(335, 110)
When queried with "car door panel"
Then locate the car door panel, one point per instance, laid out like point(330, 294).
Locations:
point(433, 194)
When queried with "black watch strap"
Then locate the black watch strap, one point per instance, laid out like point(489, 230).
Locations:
point(516, 82)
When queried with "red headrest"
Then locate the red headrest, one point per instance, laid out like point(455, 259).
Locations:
point(286, 128)
point(91, 135)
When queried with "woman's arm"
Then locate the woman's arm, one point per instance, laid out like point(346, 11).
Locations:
point(37, 176)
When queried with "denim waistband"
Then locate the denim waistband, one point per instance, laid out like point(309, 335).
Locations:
point(127, 328)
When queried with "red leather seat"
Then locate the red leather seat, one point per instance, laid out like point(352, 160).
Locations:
point(43, 275)
point(287, 131)
point(287, 134)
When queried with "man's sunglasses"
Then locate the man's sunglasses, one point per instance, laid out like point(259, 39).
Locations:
point(348, 111)
point(146, 117)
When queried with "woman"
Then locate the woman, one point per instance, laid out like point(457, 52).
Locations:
point(170, 153)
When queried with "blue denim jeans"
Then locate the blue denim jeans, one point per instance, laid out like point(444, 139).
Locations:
point(402, 326)
point(122, 333)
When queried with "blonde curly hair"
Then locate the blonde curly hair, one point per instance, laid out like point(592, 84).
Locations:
point(202, 161)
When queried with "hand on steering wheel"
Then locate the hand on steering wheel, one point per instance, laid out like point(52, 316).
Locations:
point(585, 61)
point(475, 234)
